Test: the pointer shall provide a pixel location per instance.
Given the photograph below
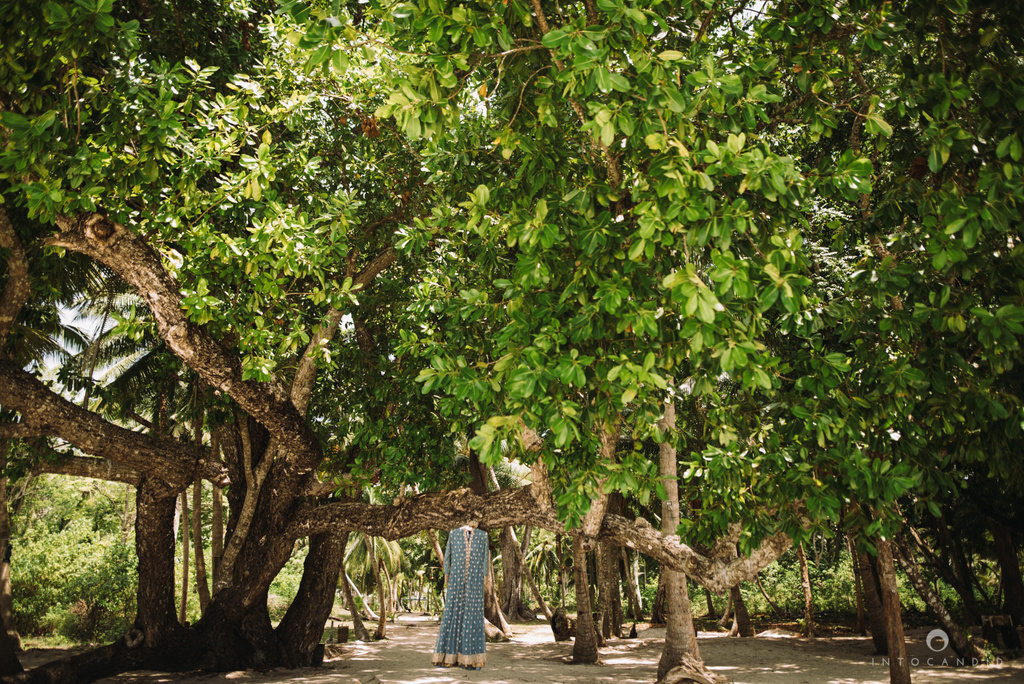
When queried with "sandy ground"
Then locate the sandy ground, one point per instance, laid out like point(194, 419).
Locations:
point(532, 657)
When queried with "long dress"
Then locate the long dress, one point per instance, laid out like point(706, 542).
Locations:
point(462, 641)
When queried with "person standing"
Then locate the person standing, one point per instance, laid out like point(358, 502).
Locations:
point(462, 640)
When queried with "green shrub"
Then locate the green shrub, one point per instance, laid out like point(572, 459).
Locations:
point(76, 583)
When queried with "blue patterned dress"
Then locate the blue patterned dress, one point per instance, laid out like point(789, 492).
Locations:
point(462, 641)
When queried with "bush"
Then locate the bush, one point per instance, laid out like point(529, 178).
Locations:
point(77, 583)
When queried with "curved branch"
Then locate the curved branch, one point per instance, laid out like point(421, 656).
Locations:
point(47, 413)
point(17, 290)
point(447, 510)
point(132, 258)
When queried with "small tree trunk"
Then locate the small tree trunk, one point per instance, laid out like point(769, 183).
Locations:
point(216, 516)
point(961, 644)
point(633, 598)
point(358, 628)
point(606, 602)
point(858, 586)
point(961, 573)
point(711, 604)
point(1009, 572)
point(775, 609)
point(584, 649)
point(512, 603)
point(492, 607)
point(873, 603)
point(741, 619)
point(658, 609)
point(185, 543)
point(899, 665)
point(6, 596)
point(727, 615)
point(563, 581)
point(805, 580)
point(202, 586)
point(375, 564)
point(680, 637)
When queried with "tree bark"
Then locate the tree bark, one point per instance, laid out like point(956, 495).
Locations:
point(961, 644)
point(741, 619)
point(358, 628)
point(375, 564)
point(584, 648)
point(17, 288)
point(448, 510)
point(512, 603)
point(1009, 571)
point(899, 664)
point(775, 609)
point(154, 546)
point(202, 586)
point(680, 637)
point(858, 585)
point(302, 626)
point(805, 581)
point(185, 543)
point(633, 598)
point(6, 596)
point(873, 603)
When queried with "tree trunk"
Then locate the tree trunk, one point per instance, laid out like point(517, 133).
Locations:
point(608, 589)
point(1009, 572)
point(858, 586)
point(534, 589)
point(584, 649)
point(302, 626)
point(633, 598)
point(10, 640)
point(680, 637)
point(961, 644)
point(512, 603)
point(873, 603)
point(899, 665)
point(805, 581)
point(961, 579)
point(185, 543)
point(378, 576)
point(6, 596)
point(492, 607)
point(154, 546)
point(727, 615)
point(358, 628)
point(563, 580)
point(741, 619)
point(711, 604)
point(775, 609)
point(658, 609)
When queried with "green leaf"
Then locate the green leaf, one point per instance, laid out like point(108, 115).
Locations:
point(938, 156)
point(555, 39)
point(670, 55)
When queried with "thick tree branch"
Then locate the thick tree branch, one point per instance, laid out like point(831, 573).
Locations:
point(98, 468)
point(17, 289)
point(447, 510)
point(20, 431)
point(132, 258)
point(177, 463)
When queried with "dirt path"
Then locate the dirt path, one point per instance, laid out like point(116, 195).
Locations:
point(532, 657)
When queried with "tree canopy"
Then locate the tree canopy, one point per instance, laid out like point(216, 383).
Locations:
point(372, 239)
